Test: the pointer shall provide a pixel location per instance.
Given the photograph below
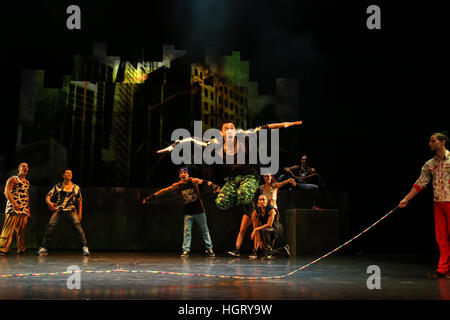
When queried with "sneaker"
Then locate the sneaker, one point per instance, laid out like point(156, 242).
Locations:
point(210, 252)
point(267, 256)
point(86, 251)
point(42, 251)
point(22, 253)
point(437, 275)
point(253, 255)
point(185, 254)
point(286, 249)
point(316, 208)
point(235, 252)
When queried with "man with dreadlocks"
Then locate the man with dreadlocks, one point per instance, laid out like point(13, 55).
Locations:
point(438, 170)
point(304, 174)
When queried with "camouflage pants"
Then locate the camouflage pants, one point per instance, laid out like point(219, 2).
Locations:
point(238, 190)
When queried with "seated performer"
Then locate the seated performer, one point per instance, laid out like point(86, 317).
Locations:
point(304, 176)
point(270, 228)
point(242, 179)
point(68, 204)
point(270, 190)
point(194, 208)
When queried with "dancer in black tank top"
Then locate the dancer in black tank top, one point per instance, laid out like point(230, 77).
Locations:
point(270, 228)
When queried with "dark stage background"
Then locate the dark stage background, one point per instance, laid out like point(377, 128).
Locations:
point(369, 99)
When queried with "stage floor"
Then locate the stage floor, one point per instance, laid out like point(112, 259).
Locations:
point(337, 277)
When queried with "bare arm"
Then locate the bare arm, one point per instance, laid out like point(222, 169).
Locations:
point(196, 141)
point(291, 168)
point(411, 194)
point(28, 201)
point(269, 223)
point(80, 209)
point(50, 204)
point(173, 187)
point(196, 180)
point(283, 183)
point(270, 126)
point(281, 125)
point(215, 188)
point(8, 187)
point(419, 185)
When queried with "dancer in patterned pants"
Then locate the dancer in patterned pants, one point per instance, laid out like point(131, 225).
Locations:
point(242, 177)
point(237, 190)
point(17, 211)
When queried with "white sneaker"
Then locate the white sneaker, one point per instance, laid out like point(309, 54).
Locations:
point(86, 251)
point(42, 251)
point(253, 255)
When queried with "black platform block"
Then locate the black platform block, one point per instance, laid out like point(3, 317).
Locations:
point(313, 231)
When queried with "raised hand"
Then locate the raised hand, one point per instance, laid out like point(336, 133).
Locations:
point(295, 123)
point(168, 149)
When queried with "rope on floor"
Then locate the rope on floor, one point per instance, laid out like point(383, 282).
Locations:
point(15, 275)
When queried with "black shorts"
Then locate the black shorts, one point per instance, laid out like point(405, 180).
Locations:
point(247, 209)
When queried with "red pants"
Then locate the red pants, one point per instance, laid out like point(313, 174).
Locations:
point(442, 226)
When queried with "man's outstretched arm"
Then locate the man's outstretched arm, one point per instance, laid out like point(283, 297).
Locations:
point(419, 185)
point(173, 187)
point(186, 140)
point(279, 125)
point(215, 188)
point(283, 125)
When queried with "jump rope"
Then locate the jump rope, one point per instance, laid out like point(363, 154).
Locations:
point(238, 277)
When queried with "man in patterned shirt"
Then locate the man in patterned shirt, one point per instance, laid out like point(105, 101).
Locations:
point(17, 210)
point(68, 203)
point(438, 170)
